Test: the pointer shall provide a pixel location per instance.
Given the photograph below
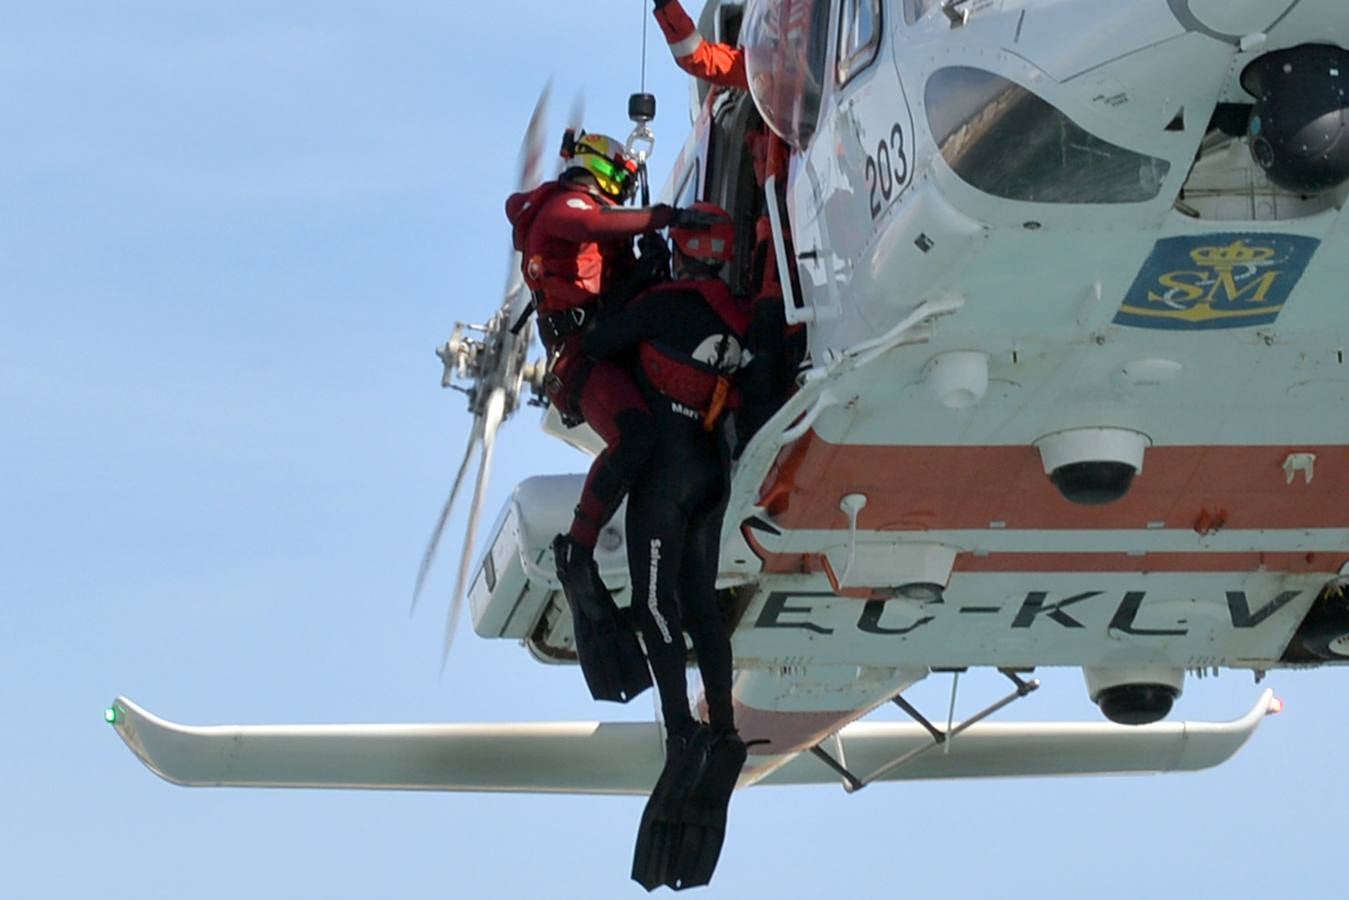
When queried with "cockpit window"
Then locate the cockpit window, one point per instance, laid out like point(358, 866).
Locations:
point(1005, 141)
point(916, 9)
point(859, 36)
point(785, 44)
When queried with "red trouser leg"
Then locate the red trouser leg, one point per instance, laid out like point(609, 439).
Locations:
point(613, 406)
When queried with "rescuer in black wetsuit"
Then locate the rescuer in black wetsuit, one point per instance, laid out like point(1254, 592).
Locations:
point(687, 335)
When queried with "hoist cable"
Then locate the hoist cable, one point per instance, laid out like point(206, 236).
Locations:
point(644, 18)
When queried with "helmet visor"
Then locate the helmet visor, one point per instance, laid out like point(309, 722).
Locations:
point(607, 168)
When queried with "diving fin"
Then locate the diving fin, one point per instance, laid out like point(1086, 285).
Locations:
point(659, 829)
point(684, 824)
point(702, 817)
point(611, 658)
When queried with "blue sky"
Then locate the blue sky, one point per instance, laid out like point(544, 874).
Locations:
point(230, 239)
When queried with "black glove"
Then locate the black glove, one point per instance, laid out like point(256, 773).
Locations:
point(662, 214)
point(660, 4)
point(694, 218)
point(652, 246)
point(655, 257)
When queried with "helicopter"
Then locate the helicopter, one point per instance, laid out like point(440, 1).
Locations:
point(1069, 284)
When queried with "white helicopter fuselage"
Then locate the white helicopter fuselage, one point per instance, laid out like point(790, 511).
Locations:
point(1022, 245)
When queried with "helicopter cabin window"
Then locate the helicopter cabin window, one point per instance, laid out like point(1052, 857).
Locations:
point(916, 9)
point(859, 36)
point(1005, 141)
point(785, 44)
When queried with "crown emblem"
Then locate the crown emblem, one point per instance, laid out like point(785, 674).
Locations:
point(1236, 253)
point(1214, 281)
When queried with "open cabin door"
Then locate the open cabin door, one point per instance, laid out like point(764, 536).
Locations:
point(731, 183)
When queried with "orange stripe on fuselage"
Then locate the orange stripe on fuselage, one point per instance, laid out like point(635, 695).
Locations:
point(1204, 488)
point(1326, 563)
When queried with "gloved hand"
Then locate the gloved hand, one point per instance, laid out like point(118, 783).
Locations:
point(662, 214)
point(655, 255)
point(694, 218)
point(658, 4)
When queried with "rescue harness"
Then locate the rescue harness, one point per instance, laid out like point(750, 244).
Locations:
point(691, 384)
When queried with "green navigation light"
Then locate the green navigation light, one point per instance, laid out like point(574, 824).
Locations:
point(111, 715)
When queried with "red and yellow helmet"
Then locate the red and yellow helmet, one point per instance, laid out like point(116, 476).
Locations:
point(605, 159)
point(714, 242)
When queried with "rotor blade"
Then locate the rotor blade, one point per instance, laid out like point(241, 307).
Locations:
point(534, 147)
point(429, 556)
point(513, 301)
point(492, 418)
point(575, 119)
point(533, 150)
point(576, 115)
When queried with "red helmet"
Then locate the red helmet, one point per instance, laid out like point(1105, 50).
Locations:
point(714, 242)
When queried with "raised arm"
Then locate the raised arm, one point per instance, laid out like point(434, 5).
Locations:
point(719, 64)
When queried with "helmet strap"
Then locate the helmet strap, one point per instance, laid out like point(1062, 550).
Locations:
point(585, 180)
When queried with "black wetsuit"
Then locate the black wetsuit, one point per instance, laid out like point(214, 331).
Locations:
point(686, 333)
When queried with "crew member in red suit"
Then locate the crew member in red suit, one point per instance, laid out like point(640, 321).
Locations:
point(718, 64)
point(575, 239)
point(687, 336)
point(776, 349)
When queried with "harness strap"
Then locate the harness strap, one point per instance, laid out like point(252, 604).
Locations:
point(701, 390)
point(721, 395)
point(528, 311)
point(560, 325)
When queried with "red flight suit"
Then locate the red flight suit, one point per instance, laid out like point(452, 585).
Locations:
point(576, 249)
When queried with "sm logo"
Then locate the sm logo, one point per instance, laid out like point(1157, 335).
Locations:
point(1216, 281)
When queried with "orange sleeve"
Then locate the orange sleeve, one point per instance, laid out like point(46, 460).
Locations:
point(718, 64)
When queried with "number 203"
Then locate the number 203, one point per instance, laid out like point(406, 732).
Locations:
point(887, 171)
